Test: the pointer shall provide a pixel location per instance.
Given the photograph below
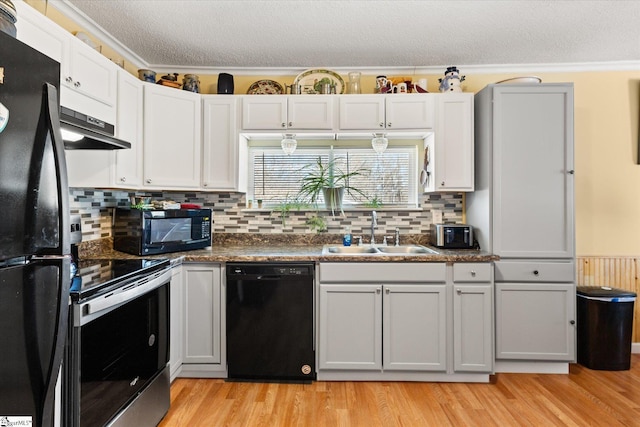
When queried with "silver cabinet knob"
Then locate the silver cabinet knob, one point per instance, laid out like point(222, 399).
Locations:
point(536, 272)
point(459, 291)
point(68, 79)
point(148, 181)
point(571, 172)
point(381, 124)
point(204, 184)
point(389, 124)
point(284, 125)
point(378, 290)
point(290, 124)
point(76, 84)
point(123, 179)
point(387, 291)
point(442, 183)
point(473, 273)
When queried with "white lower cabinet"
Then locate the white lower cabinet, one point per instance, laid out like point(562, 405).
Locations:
point(414, 327)
point(204, 351)
point(429, 321)
point(373, 326)
point(382, 317)
point(176, 321)
point(473, 317)
point(535, 321)
point(535, 310)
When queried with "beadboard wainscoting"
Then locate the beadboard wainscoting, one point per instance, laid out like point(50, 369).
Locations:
point(617, 272)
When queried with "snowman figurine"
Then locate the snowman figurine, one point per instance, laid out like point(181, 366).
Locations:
point(451, 81)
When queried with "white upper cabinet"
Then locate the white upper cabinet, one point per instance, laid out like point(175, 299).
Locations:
point(387, 112)
point(525, 171)
point(172, 138)
point(89, 73)
point(361, 112)
point(453, 152)
point(275, 112)
point(409, 111)
point(40, 32)
point(88, 80)
point(221, 148)
point(128, 167)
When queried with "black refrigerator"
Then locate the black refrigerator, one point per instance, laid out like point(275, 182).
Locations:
point(34, 235)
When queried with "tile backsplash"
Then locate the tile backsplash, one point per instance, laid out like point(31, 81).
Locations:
point(230, 214)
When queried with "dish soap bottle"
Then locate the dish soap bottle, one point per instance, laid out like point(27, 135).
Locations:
point(346, 238)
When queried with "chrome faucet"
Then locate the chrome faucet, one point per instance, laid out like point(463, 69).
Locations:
point(397, 236)
point(374, 224)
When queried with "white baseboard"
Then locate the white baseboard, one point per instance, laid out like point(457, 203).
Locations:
point(635, 347)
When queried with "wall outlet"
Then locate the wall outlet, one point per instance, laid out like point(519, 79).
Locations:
point(436, 216)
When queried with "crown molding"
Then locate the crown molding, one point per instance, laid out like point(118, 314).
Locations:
point(84, 21)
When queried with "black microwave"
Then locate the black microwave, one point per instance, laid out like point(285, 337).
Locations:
point(148, 232)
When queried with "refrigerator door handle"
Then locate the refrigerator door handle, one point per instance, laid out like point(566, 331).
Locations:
point(53, 119)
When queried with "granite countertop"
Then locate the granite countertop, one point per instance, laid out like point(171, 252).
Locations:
point(261, 248)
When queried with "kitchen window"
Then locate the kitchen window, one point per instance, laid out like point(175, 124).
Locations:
point(386, 180)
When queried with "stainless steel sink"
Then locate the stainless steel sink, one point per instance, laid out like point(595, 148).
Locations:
point(345, 250)
point(377, 250)
point(409, 249)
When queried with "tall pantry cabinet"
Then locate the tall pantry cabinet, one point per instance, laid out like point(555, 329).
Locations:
point(523, 211)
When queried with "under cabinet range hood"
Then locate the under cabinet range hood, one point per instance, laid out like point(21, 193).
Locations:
point(80, 131)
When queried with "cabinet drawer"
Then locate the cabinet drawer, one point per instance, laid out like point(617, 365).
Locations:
point(381, 272)
point(535, 271)
point(472, 272)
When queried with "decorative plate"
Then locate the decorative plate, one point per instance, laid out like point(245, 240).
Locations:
point(265, 87)
point(311, 80)
point(528, 79)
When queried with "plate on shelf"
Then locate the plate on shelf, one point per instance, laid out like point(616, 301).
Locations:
point(311, 80)
point(528, 79)
point(265, 87)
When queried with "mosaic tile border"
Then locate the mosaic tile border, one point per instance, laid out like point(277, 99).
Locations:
point(230, 214)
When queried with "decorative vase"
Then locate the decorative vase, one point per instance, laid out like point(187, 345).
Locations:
point(354, 82)
point(191, 83)
point(8, 17)
point(333, 198)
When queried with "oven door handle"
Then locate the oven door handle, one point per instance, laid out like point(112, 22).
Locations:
point(126, 293)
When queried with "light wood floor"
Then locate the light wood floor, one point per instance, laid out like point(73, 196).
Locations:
point(583, 398)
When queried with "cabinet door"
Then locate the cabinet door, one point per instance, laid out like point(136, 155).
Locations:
point(172, 138)
point(535, 321)
point(533, 171)
point(410, 111)
point(264, 112)
point(89, 82)
point(39, 32)
point(358, 112)
point(91, 73)
point(414, 327)
point(220, 143)
point(176, 327)
point(472, 328)
point(310, 112)
point(350, 327)
point(202, 314)
point(129, 128)
point(454, 153)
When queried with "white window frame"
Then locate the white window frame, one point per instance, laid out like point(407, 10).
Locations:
point(412, 148)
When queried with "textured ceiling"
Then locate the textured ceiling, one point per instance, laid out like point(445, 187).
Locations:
point(376, 34)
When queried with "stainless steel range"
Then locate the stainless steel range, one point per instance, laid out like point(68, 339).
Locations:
point(118, 349)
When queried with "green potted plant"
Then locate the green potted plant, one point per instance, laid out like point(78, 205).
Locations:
point(328, 179)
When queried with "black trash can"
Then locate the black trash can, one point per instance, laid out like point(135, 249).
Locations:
point(605, 321)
